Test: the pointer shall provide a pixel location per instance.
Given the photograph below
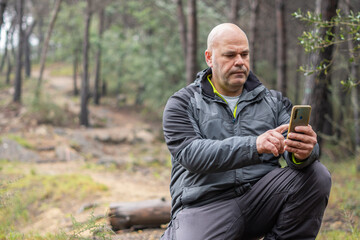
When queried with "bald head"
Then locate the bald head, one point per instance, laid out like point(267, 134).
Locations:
point(221, 31)
point(227, 55)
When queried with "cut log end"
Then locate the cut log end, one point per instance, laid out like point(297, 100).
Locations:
point(139, 215)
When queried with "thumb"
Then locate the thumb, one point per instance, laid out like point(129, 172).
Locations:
point(282, 128)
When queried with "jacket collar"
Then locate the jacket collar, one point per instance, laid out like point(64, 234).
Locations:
point(201, 78)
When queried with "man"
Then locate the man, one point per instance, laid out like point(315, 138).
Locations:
point(226, 133)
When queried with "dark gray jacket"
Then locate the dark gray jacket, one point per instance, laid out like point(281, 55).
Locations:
point(214, 154)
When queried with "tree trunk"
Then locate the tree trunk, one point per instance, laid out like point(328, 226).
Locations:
point(182, 25)
point(12, 40)
point(254, 12)
point(47, 40)
point(281, 47)
point(234, 11)
point(97, 92)
point(84, 118)
point(297, 85)
point(104, 88)
point(318, 91)
point(138, 215)
point(8, 72)
point(4, 57)
point(355, 91)
point(3, 4)
point(191, 66)
point(18, 77)
point(27, 48)
point(313, 58)
point(41, 37)
point(75, 72)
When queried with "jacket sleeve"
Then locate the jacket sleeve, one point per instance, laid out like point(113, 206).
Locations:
point(313, 156)
point(196, 153)
point(284, 108)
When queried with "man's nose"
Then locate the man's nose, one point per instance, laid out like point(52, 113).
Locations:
point(239, 61)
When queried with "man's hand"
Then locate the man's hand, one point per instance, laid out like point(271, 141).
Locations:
point(272, 141)
point(301, 142)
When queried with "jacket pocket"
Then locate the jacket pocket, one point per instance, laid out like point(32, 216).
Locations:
point(202, 194)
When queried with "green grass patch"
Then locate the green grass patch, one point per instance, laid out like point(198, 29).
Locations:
point(338, 235)
point(21, 141)
point(25, 194)
point(344, 202)
point(345, 192)
point(61, 69)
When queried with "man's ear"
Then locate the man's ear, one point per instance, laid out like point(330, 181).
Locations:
point(208, 58)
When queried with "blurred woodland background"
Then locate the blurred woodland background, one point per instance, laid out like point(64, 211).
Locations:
point(128, 57)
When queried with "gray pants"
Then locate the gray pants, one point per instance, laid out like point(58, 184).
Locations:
point(284, 204)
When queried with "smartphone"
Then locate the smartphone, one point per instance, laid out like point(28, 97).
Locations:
point(300, 116)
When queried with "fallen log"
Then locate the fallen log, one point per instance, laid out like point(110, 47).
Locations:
point(139, 215)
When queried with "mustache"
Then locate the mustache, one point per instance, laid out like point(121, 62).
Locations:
point(242, 69)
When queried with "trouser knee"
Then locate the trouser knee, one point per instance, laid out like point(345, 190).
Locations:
point(320, 178)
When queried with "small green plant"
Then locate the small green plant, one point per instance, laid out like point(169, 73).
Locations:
point(90, 229)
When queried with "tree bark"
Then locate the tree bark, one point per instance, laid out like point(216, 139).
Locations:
point(4, 57)
point(18, 77)
point(254, 12)
point(234, 11)
point(47, 40)
point(191, 66)
point(299, 60)
point(318, 91)
point(3, 4)
point(281, 46)
point(138, 215)
point(8, 72)
point(9, 39)
point(84, 112)
point(75, 72)
point(41, 36)
point(27, 48)
point(354, 67)
point(313, 58)
point(182, 25)
point(97, 92)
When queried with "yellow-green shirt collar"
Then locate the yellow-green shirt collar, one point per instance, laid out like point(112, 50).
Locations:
point(217, 93)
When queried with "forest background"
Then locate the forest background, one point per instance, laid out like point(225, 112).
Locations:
point(133, 55)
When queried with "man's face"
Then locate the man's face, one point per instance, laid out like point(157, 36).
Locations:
point(230, 62)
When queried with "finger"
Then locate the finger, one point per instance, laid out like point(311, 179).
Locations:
point(268, 146)
point(276, 142)
point(298, 153)
point(274, 150)
point(282, 128)
point(303, 138)
point(305, 130)
point(295, 150)
point(291, 145)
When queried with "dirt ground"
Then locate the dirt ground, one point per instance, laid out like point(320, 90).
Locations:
point(132, 136)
